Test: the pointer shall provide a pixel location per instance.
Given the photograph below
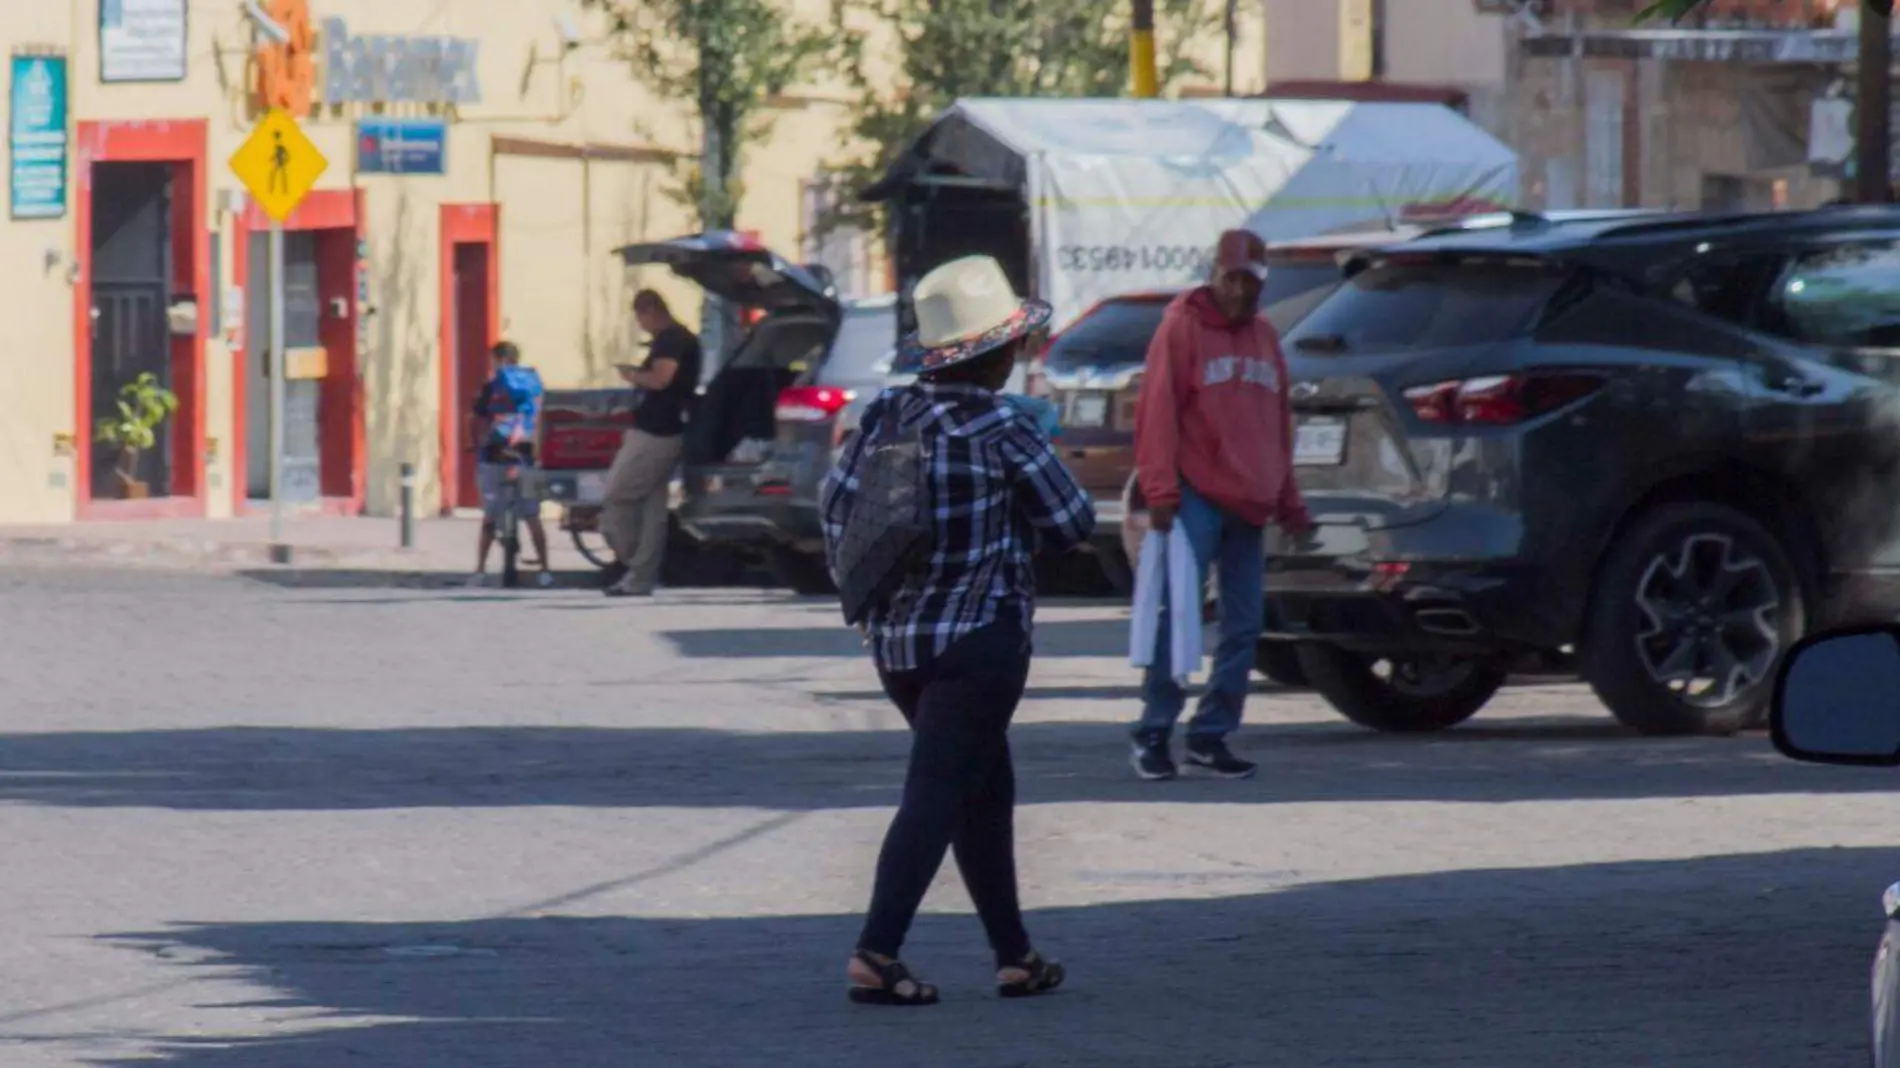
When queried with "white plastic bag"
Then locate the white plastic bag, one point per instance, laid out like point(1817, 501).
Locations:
point(1167, 561)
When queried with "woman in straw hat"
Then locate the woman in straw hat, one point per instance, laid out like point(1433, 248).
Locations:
point(952, 643)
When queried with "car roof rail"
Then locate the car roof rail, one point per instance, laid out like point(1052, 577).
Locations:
point(1521, 220)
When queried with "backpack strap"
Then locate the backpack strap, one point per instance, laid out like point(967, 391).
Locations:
point(890, 427)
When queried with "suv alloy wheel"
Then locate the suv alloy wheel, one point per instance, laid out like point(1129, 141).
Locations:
point(1695, 604)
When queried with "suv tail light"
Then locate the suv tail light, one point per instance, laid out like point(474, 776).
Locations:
point(1500, 400)
point(811, 404)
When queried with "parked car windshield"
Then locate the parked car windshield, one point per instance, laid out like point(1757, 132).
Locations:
point(859, 356)
point(1428, 305)
point(1116, 334)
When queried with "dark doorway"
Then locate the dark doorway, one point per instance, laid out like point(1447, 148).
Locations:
point(131, 258)
point(303, 322)
point(471, 358)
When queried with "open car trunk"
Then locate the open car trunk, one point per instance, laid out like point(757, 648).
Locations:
point(734, 421)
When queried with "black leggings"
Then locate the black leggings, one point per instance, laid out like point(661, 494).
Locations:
point(960, 793)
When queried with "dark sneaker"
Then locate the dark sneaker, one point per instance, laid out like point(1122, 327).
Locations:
point(1151, 759)
point(1214, 758)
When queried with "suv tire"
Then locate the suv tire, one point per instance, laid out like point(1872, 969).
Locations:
point(1691, 595)
point(1280, 661)
point(1423, 694)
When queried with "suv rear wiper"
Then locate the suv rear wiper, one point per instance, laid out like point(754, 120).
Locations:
point(1322, 343)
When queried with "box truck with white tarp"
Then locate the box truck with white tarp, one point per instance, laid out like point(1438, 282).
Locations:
point(1086, 199)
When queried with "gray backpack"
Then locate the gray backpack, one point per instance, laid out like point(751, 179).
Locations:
point(887, 532)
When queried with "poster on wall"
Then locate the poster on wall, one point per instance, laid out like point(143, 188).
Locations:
point(401, 146)
point(36, 138)
point(142, 40)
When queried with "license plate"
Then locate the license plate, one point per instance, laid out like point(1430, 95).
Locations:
point(1088, 409)
point(591, 487)
point(1320, 442)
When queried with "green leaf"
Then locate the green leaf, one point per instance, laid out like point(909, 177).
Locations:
point(946, 50)
point(728, 58)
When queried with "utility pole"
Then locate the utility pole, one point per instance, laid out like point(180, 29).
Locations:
point(1874, 106)
point(1141, 52)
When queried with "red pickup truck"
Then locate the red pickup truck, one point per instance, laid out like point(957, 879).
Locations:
point(580, 433)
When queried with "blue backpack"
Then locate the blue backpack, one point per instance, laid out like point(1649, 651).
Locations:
point(514, 403)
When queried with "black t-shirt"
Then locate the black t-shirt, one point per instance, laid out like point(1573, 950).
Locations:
point(663, 412)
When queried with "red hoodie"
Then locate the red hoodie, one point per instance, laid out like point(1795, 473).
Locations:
point(1214, 413)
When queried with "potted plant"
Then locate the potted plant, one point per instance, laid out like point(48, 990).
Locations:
point(144, 405)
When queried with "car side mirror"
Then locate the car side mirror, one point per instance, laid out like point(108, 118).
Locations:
point(1837, 698)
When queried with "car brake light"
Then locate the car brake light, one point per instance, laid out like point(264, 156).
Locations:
point(1500, 400)
point(1388, 574)
point(811, 404)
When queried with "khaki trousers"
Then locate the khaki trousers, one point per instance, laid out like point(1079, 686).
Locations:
point(633, 515)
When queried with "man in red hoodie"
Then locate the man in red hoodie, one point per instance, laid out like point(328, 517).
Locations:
point(1214, 453)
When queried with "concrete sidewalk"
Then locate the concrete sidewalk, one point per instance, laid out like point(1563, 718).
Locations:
point(321, 542)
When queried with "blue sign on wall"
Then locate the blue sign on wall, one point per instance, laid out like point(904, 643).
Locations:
point(401, 146)
point(37, 138)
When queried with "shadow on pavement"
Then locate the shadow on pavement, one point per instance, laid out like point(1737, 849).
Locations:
point(315, 769)
point(1717, 961)
point(1059, 637)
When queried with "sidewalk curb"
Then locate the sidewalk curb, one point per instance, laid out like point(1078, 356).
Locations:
point(199, 553)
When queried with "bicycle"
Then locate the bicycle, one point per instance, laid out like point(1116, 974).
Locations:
point(508, 518)
point(508, 527)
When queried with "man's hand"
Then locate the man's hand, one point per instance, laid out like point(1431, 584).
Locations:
point(1161, 517)
point(1298, 529)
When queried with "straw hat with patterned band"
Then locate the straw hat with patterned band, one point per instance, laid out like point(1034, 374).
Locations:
point(966, 308)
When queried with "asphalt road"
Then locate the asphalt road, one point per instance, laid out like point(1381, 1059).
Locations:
point(256, 825)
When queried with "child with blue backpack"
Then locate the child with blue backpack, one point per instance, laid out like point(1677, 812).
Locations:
point(510, 406)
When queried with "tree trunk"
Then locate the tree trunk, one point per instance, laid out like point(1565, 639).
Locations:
point(1873, 111)
point(718, 323)
point(126, 471)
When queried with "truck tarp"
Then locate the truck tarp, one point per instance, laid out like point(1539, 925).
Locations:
point(1127, 195)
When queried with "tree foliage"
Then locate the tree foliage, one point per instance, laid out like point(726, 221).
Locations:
point(944, 51)
point(1678, 9)
point(143, 405)
point(727, 58)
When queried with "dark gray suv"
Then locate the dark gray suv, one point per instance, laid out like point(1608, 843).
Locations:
point(1665, 446)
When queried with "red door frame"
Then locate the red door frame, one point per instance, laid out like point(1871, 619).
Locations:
point(183, 144)
point(341, 411)
point(462, 224)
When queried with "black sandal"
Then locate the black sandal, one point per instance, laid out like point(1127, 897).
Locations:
point(1043, 977)
point(896, 985)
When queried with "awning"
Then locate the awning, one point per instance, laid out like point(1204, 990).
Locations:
point(1699, 46)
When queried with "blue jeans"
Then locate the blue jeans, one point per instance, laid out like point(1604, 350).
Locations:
point(1237, 550)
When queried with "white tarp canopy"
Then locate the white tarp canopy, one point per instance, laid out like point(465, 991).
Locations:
point(1129, 194)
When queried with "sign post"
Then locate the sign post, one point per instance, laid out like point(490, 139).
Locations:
point(279, 165)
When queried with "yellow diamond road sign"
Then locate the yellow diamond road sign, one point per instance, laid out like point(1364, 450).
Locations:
point(278, 164)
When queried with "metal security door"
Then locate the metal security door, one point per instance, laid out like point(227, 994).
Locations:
point(131, 288)
point(303, 321)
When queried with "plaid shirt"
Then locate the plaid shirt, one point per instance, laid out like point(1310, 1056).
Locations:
point(997, 493)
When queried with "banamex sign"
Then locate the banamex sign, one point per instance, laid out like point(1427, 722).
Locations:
point(373, 69)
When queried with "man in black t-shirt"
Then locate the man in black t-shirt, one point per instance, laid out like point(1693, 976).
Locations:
point(633, 516)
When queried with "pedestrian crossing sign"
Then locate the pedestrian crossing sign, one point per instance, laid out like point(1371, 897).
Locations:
point(278, 164)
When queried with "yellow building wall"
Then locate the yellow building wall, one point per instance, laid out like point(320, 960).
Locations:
point(564, 298)
point(36, 362)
